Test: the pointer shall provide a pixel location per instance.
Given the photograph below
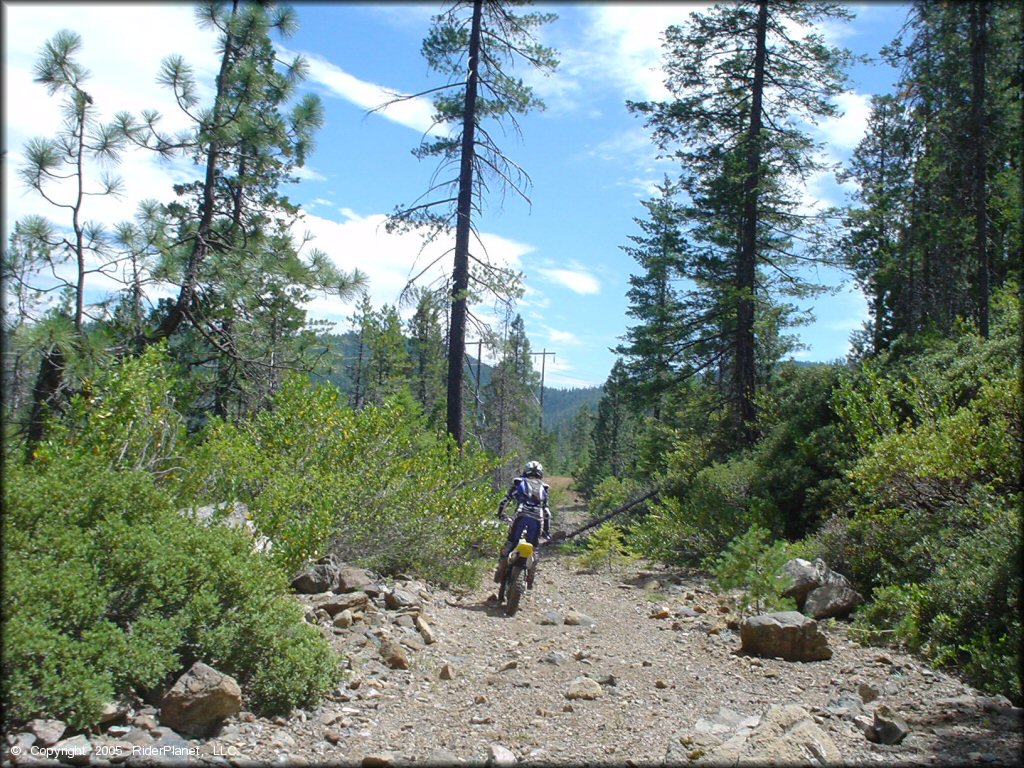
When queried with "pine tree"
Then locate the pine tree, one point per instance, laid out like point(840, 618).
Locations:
point(510, 407)
point(66, 171)
point(241, 277)
point(741, 81)
point(475, 44)
point(652, 346)
point(427, 350)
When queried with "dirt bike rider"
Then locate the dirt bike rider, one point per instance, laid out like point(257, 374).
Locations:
point(532, 515)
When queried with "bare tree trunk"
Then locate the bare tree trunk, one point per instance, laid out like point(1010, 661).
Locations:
point(460, 273)
point(201, 240)
point(746, 269)
point(979, 52)
point(48, 384)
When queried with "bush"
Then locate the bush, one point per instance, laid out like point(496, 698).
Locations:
point(605, 546)
point(374, 487)
point(718, 505)
point(753, 565)
point(109, 590)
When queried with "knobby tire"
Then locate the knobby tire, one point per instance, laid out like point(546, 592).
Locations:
point(516, 587)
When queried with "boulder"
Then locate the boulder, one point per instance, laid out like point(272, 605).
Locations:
point(887, 728)
point(806, 576)
point(577, 619)
point(393, 654)
point(77, 750)
point(786, 634)
point(786, 735)
point(351, 579)
point(47, 732)
point(398, 598)
point(335, 604)
point(584, 688)
point(820, 592)
point(200, 700)
point(319, 577)
point(836, 599)
point(499, 755)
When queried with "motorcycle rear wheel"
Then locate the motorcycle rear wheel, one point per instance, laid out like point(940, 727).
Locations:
point(516, 587)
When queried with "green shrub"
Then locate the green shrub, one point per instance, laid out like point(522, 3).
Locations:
point(375, 487)
point(109, 589)
point(754, 565)
point(717, 506)
point(605, 546)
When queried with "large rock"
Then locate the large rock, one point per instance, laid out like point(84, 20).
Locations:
point(786, 634)
point(836, 599)
point(887, 727)
point(200, 700)
point(820, 592)
point(806, 576)
point(584, 688)
point(47, 732)
point(352, 579)
point(318, 577)
point(786, 735)
point(335, 604)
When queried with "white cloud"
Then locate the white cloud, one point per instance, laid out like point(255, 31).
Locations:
point(415, 113)
point(576, 280)
point(622, 45)
point(563, 337)
point(844, 132)
point(391, 260)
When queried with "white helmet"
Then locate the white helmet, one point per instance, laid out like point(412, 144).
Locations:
point(533, 469)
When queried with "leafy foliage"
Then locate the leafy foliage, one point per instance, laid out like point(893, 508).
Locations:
point(753, 563)
point(605, 546)
point(109, 589)
point(370, 485)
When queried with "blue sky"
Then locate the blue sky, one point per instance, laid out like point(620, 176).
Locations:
point(591, 162)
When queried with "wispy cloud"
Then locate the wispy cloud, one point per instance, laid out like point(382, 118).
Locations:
point(390, 260)
point(416, 113)
point(576, 280)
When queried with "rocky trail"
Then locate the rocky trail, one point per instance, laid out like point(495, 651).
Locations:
point(638, 666)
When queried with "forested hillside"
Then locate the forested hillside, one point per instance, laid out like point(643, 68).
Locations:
point(198, 385)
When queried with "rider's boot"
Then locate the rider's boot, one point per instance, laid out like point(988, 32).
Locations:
point(499, 573)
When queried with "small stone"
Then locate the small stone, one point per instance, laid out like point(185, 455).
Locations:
point(508, 665)
point(577, 619)
point(344, 619)
point(378, 760)
point(584, 688)
point(888, 727)
point(331, 735)
point(481, 720)
point(499, 755)
point(425, 631)
point(393, 654)
point(554, 657)
point(867, 692)
point(447, 672)
point(662, 613)
point(77, 750)
point(659, 683)
point(551, 618)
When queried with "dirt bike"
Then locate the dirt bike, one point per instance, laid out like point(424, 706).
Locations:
point(520, 566)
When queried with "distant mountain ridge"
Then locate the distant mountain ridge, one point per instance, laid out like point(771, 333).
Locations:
point(560, 405)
